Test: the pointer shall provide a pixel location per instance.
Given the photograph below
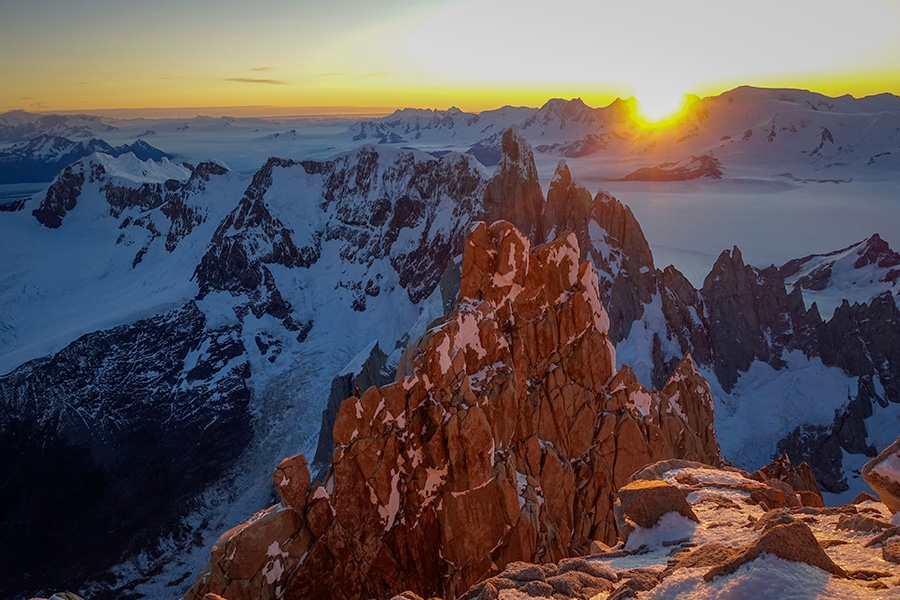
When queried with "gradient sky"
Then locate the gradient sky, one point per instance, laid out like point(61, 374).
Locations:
point(279, 55)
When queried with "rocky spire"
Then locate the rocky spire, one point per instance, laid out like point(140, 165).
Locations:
point(514, 192)
point(504, 438)
point(568, 207)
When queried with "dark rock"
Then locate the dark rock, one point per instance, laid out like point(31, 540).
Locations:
point(372, 372)
point(514, 192)
point(61, 197)
point(751, 316)
point(127, 429)
point(891, 552)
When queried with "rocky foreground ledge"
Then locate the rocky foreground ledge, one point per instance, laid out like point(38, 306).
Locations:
point(693, 531)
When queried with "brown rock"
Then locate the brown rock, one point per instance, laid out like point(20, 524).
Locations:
point(644, 502)
point(880, 473)
point(706, 556)
point(811, 499)
point(792, 541)
point(861, 523)
point(575, 584)
point(634, 581)
point(864, 497)
point(773, 518)
point(884, 537)
point(291, 478)
point(891, 552)
point(799, 480)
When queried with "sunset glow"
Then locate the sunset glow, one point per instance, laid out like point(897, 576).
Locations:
point(280, 57)
point(658, 105)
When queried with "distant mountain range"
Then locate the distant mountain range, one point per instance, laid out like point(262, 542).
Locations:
point(748, 132)
point(42, 157)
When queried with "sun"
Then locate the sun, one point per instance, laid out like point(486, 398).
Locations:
point(656, 104)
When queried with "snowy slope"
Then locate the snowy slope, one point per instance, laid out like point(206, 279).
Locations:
point(58, 284)
point(857, 274)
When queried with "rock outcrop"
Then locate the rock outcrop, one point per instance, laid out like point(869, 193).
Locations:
point(504, 439)
point(372, 371)
point(514, 192)
point(723, 533)
point(883, 474)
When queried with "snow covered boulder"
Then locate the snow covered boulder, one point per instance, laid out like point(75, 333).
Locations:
point(789, 541)
point(883, 474)
point(643, 503)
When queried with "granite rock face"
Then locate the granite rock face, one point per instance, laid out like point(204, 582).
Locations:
point(503, 440)
point(725, 531)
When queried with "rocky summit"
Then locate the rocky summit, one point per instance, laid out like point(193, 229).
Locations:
point(503, 439)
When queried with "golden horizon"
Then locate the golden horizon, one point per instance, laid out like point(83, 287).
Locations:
point(477, 102)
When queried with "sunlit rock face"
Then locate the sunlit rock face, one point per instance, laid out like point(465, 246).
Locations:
point(504, 438)
point(690, 530)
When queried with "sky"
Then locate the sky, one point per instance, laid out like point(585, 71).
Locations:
point(346, 56)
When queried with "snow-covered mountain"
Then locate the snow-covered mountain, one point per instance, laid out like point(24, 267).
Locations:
point(752, 130)
point(251, 292)
point(42, 157)
point(19, 126)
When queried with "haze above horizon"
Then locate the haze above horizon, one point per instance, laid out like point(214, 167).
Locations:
point(281, 57)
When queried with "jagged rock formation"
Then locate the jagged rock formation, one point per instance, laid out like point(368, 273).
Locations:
point(725, 537)
point(751, 316)
point(78, 427)
point(503, 441)
point(171, 196)
point(800, 478)
point(373, 371)
point(395, 220)
point(514, 192)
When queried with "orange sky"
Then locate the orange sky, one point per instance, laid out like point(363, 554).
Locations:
point(286, 57)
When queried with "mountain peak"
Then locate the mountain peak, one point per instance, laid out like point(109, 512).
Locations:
point(510, 422)
point(514, 192)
